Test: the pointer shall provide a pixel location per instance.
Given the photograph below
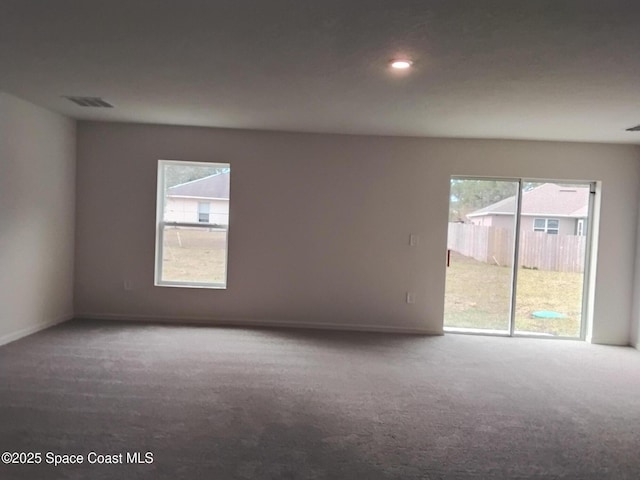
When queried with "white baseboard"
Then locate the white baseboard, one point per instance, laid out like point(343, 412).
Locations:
point(219, 322)
point(609, 341)
point(24, 332)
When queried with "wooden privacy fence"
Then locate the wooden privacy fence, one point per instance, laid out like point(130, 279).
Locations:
point(539, 250)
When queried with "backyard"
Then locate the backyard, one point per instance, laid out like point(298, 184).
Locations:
point(477, 296)
point(194, 255)
point(477, 293)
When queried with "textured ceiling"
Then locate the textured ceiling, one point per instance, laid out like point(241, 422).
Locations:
point(536, 69)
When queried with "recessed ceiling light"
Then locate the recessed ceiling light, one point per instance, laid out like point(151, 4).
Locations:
point(401, 64)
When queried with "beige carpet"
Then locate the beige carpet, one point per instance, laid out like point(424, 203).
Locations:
point(224, 403)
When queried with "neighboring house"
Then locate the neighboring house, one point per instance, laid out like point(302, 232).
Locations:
point(554, 209)
point(205, 200)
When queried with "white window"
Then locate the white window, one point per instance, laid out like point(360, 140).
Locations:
point(192, 224)
point(547, 225)
point(203, 212)
point(580, 230)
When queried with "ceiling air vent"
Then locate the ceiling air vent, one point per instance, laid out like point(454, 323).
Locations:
point(634, 129)
point(90, 102)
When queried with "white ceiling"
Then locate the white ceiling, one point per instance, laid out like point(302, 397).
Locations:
point(533, 69)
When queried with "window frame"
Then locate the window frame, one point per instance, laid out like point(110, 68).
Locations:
point(204, 211)
point(556, 230)
point(547, 229)
point(540, 229)
point(161, 225)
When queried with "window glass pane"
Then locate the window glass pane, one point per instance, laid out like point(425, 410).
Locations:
point(192, 194)
point(551, 267)
point(194, 255)
point(203, 212)
point(480, 254)
point(188, 185)
point(539, 224)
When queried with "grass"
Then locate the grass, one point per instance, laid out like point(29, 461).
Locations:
point(194, 256)
point(477, 296)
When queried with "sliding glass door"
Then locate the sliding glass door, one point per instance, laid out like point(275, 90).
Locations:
point(541, 228)
point(482, 224)
point(552, 253)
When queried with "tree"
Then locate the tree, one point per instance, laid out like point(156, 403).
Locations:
point(178, 174)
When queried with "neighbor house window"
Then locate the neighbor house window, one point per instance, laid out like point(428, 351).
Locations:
point(192, 224)
point(547, 225)
point(203, 212)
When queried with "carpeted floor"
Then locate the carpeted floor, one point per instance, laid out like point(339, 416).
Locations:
point(228, 403)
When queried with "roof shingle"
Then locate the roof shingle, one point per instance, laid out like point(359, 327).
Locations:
point(213, 186)
point(547, 199)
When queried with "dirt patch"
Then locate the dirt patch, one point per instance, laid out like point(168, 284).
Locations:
point(191, 255)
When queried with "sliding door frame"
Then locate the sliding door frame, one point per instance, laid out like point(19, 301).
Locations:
point(516, 257)
point(585, 314)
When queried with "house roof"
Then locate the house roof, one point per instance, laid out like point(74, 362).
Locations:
point(547, 199)
point(213, 186)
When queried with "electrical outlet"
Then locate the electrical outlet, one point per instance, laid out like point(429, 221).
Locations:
point(128, 285)
point(414, 239)
point(411, 297)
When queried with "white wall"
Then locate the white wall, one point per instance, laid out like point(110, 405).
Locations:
point(320, 224)
point(37, 191)
point(634, 330)
point(186, 210)
point(566, 226)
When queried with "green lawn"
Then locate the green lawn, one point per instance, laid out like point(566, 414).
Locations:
point(477, 296)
